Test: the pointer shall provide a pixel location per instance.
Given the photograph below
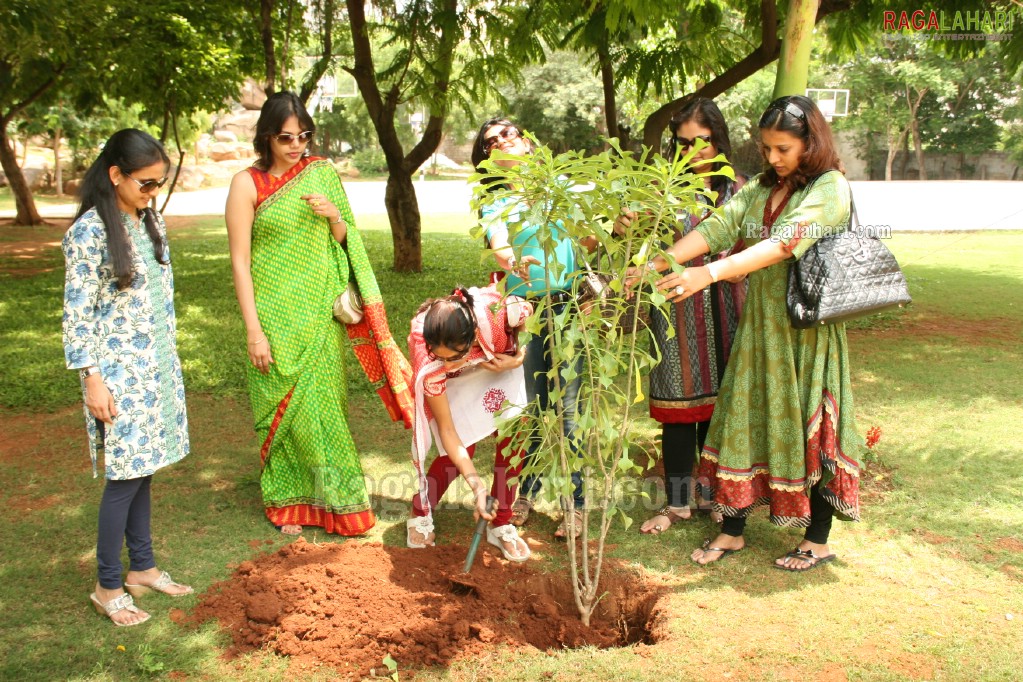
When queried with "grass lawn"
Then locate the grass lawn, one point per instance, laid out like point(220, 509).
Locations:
point(928, 586)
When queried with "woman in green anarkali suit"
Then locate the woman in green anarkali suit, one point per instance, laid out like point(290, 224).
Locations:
point(783, 434)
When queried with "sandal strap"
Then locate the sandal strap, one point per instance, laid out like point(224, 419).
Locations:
point(423, 524)
point(122, 603)
point(505, 533)
point(803, 554)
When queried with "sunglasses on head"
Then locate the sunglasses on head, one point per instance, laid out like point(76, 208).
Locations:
point(686, 143)
point(786, 107)
point(146, 186)
point(288, 138)
point(509, 133)
point(453, 358)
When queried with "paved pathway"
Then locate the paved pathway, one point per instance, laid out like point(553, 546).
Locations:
point(904, 206)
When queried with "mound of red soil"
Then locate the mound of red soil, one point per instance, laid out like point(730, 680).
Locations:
point(349, 605)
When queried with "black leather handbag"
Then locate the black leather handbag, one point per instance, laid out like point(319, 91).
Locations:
point(842, 277)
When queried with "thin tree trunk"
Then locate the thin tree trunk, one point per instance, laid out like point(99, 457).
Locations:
point(27, 213)
point(181, 161)
point(794, 61)
point(326, 53)
point(914, 126)
point(607, 77)
point(287, 45)
point(58, 174)
point(267, 35)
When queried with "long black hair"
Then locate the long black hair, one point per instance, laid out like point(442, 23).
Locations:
point(704, 112)
point(449, 321)
point(277, 109)
point(129, 150)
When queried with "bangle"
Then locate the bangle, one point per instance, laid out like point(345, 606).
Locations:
point(512, 263)
point(89, 371)
point(651, 265)
point(713, 270)
point(257, 342)
point(339, 219)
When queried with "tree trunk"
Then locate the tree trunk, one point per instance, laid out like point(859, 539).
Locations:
point(607, 77)
point(58, 175)
point(406, 225)
point(266, 33)
point(794, 61)
point(312, 78)
point(27, 212)
point(914, 126)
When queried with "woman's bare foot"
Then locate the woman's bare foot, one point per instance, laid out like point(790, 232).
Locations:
point(123, 617)
point(291, 529)
point(717, 549)
point(662, 521)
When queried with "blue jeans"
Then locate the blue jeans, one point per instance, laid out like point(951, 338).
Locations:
point(537, 364)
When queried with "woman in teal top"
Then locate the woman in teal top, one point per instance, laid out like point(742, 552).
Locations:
point(783, 433)
point(531, 276)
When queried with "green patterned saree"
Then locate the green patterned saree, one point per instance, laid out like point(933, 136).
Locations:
point(311, 471)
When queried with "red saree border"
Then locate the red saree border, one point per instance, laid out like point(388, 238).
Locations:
point(267, 184)
point(356, 523)
point(282, 407)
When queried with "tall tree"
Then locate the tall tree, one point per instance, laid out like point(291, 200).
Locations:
point(34, 60)
point(437, 54)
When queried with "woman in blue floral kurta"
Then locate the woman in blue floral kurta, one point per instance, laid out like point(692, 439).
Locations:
point(120, 333)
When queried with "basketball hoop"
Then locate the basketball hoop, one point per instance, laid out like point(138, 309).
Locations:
point(831, 101)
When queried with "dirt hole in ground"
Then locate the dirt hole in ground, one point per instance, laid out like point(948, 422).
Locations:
point(349, 605)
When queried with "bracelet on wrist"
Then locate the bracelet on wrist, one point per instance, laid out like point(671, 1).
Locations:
point(257, 341)
point(89, 371)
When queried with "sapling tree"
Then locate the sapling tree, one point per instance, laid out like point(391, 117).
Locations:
point(584, 198)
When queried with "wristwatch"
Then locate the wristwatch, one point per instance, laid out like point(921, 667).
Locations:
point(89, 371)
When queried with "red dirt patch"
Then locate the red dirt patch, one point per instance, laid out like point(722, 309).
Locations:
point(349, 605)
point(929, 325)
point(1009, 544)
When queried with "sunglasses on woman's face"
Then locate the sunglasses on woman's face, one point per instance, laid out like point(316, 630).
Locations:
point(147, 186)
point(452, 358)
point(686, 143)
point(288, 138)
point(509, 133)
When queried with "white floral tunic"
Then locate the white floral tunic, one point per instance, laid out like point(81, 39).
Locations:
point(131, 335)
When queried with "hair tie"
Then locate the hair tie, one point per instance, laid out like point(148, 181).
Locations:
point(460, 294)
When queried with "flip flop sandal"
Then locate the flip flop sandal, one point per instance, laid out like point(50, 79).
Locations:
point(422, 525)
point(507, 533)
point(161, 584)
point(561, 534)
point(116, 605)
point(520, 510)
point(724, 552)
point(672, 517)
point(804, 555)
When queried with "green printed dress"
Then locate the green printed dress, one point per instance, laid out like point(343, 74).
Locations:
point(311, 470)
point(784, 417)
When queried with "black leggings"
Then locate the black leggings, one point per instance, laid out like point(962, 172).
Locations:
point(821, 515)
point(124, 514)
point(680, 444)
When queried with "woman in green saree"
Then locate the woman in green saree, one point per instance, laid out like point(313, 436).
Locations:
point(294, 247)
